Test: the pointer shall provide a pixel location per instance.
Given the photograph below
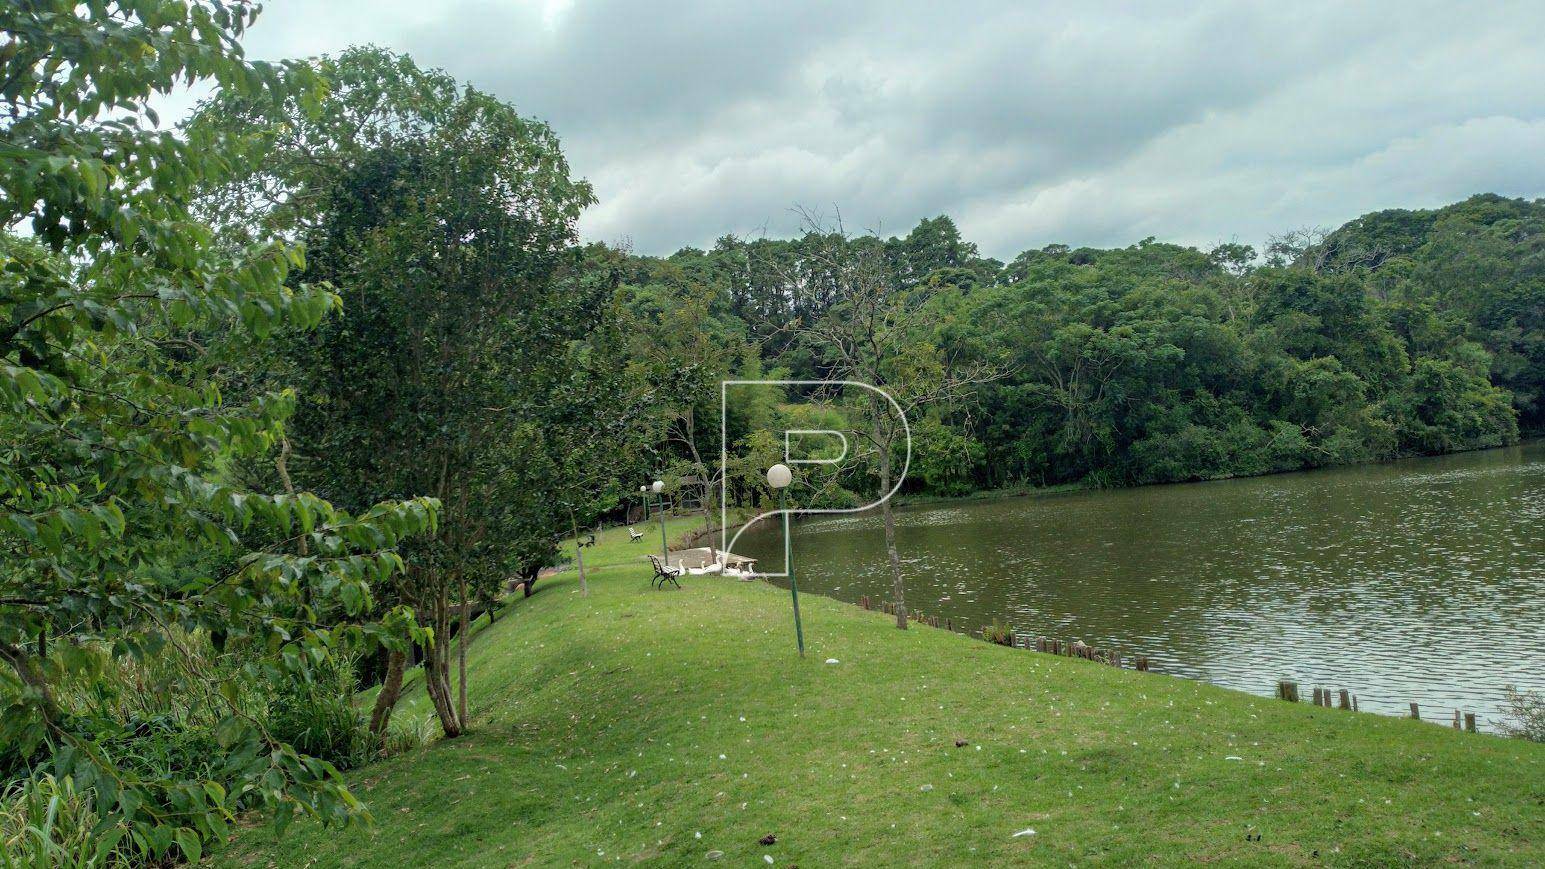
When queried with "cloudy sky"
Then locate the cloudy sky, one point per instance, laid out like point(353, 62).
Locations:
point(1081, 123)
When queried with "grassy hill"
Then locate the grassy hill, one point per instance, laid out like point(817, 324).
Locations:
point(636, 725)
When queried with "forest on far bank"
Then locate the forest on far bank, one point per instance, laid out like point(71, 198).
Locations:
point(1403, 332)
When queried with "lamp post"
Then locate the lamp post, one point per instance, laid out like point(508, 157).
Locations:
point(665, 555)
point(779, 476)
point(643, 495)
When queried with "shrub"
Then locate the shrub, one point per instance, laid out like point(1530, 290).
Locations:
point(1525, 715)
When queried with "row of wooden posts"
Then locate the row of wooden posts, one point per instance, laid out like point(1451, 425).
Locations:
point(1286, 690)
point(1068, 648)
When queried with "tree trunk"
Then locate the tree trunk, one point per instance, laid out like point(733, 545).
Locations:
point(391, 689)
point(579, 559)
point(437, 683)
point(437, 665)
point(704, 478)
point(899, 591)
point(461, 655)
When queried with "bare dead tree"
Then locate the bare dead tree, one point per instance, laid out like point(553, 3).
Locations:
point(875, 333)
point(1304, 247)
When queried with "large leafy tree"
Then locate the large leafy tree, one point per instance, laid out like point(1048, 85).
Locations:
point(446, 220)
point(119, 531)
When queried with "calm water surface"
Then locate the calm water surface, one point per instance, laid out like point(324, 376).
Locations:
point(1418, 580)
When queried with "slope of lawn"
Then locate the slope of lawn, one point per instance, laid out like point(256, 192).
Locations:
point(637, 725)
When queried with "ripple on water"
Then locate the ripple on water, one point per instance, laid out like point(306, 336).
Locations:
point(1414, 581)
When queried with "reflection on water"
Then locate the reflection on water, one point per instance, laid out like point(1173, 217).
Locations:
point(1421, 580)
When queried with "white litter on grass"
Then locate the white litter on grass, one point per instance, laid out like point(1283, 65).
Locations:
point(926, 788)
point(768, 858)
point(1028, 831)
point(1233, 757)
point(832, 661)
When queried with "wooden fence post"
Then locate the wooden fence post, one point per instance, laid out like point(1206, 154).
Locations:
point(1470, 722)
point(1142, 663)
point(1285, 690)
point(1416, 713)
point(1346, 699)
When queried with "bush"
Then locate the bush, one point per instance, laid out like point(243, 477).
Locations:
point(1525, 715)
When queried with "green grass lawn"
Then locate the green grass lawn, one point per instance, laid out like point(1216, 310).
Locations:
point(637, 725)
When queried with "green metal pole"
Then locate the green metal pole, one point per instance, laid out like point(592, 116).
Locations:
point(788, 562)
point(664, 551)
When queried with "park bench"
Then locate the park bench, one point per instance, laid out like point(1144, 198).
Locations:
point(664, 573)
point(634, 536)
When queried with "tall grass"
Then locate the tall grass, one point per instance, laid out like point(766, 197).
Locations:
point(45, 823)
point(317, 716)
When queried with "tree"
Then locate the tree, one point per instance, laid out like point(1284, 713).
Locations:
point(684, 350)
point(119, 531)
point(446, 219)
point(875, 333)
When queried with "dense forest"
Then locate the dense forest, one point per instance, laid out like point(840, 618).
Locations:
point(1401, 333)
point(289, 391)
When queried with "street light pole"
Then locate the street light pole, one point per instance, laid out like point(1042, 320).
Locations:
point(659, 489)
point(643, 495)
point(779, 476)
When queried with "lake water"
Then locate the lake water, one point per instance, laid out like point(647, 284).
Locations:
point(1419, 580)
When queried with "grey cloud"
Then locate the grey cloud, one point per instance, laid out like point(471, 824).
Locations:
point(1030, 123)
